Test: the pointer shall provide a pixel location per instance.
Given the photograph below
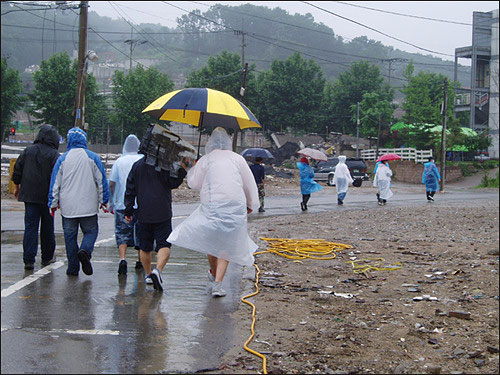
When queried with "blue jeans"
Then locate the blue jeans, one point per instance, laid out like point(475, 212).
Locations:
point(34, 213)
point(90, 230)
point(341, 196)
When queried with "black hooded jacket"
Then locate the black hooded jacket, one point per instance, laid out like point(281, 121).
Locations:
point(33, 167)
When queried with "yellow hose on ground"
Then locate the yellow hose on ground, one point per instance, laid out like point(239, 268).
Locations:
point(291, 249)
point(377, 266)
point(252, 327)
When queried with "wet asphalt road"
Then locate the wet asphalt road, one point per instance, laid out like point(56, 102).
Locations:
point(52, 323)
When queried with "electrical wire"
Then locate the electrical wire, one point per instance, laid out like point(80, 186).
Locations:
point(377, 31)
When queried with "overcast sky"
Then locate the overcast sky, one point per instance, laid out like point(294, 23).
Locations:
point(439, 36)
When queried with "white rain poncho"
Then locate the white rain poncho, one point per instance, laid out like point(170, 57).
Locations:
point(382, 180)
point(342, 177)
point(218, 226)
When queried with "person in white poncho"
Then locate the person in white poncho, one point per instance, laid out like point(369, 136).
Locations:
point(218, 227)
point(342, 179)
point(383, 182)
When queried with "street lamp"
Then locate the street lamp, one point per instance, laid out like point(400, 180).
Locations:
point(80, 108)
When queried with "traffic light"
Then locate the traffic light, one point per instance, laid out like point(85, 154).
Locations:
point(13, 131)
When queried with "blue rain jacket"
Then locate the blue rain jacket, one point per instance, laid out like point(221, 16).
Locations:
point(431, 177)
point(307, 183)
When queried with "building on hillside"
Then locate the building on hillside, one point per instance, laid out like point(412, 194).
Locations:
point(481, 99)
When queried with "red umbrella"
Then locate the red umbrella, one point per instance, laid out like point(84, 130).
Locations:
point(389, 157)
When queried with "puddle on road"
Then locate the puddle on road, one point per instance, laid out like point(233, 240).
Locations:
point(10, 237)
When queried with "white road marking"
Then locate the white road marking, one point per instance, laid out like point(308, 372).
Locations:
point(104, 241)
point(86, 331)
point(180, 217)
point(31, 278)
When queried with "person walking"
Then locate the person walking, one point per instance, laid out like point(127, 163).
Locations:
point(431, 179)
point(342, 179)
point(79, 187)
point(153, 190)
point(218, 227)
point(307, 183)
point(382, 181)
point(259, 173)
point(31, 177)
point(126, 234)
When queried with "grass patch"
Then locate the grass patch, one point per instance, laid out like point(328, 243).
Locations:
point(487, 182)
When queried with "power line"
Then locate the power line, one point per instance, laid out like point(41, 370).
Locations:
point(377, 31)
point(405, 15)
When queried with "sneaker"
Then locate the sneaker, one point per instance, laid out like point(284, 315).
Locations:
point(340, 202)
point(217, 290)
point(380, 203)
point(138, 265)
point(431, 199)
point(157, 280)
point(53, 260)
point(261, 209)
point(71, 273)
point(29, 266)
point(302, 206)
point(84, 259)
point(148, 280)
point(122, 267)
point(211, 277)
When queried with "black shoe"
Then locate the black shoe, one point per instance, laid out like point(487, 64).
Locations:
point(261, 210)
point(53, 260)
point(122, 267)
point(84, 259)
point(138, 265)
point(340, 202)
point(29, 266)
point(431, 199)
point(71, 273)
point(303, 206)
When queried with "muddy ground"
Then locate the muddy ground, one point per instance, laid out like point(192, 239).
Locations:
point(319, 316)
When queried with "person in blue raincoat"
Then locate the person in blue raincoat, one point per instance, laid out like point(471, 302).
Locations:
point(431, 179)
point(307, 183)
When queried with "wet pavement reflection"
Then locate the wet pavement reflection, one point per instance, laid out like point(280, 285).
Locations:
point(118, 324)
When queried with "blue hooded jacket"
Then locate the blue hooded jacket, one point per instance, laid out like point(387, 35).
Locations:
point(78, 183)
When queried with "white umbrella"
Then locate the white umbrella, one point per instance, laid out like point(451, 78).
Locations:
point(313, 154)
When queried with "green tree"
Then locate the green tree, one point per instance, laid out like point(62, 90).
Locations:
point(11, 98)
point(54, 94)
point(132, 93)
point(363, 77)
point(370, 108)
point(290, 95)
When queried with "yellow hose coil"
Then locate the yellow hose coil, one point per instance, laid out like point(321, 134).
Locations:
point(291, 249)
point(377, 266)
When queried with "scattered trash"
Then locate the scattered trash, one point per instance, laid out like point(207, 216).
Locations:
point(460, 314)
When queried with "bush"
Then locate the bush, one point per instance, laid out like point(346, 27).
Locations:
point(487, 182)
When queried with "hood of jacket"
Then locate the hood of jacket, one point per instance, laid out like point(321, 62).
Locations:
point(131, 145)
point(77, 138)
point(49, 136)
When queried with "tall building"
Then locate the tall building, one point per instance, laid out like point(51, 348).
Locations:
point(481, 99)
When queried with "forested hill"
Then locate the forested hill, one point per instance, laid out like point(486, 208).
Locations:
point(29, 36)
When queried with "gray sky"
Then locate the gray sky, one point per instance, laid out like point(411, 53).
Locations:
point(436, 36)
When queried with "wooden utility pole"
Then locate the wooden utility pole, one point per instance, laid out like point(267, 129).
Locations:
point(442, 168)
point(243, 83)
point(357, 133)
point(378, 134)
point(81, 83)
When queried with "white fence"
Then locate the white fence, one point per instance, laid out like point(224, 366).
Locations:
point(419, 156)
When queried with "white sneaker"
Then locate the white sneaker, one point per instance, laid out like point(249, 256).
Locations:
point(148, 280)
point(157, 280)
point(217, 290)
point(211, 277)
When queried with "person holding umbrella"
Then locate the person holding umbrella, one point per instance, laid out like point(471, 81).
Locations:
point(218, 227)
point(307, 183)
point(431, 178)
point(382, 181)
point(259, 173)
point(342, 179)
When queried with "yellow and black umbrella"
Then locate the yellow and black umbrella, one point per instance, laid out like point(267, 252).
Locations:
point(203, 107)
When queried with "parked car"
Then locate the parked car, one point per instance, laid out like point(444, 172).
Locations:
point(325, 170)
point(482, 156)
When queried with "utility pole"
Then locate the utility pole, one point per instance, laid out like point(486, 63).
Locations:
point(357, 133)
point(378, 134)
point(395, 59)
point(81, 83)
point(443, 135)
point(243, 83)
point(133, 43)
